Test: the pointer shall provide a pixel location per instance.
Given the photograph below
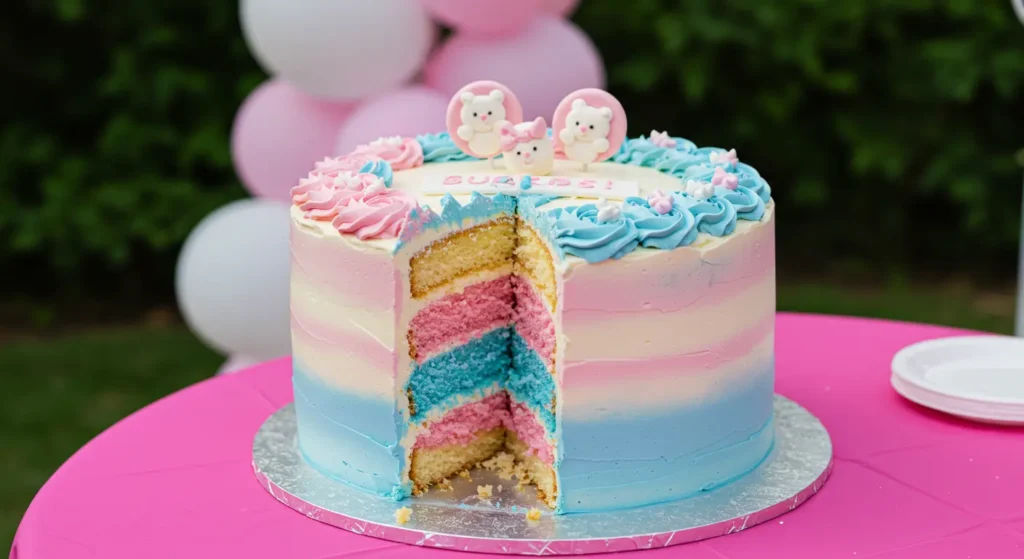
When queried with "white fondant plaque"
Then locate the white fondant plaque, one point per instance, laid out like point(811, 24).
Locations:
point(589, 187)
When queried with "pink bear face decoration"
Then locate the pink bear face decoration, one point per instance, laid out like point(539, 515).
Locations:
point(589, 126)
point(474, 113)
point(526, 147)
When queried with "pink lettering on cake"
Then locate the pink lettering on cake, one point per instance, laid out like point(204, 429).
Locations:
point(512, 184)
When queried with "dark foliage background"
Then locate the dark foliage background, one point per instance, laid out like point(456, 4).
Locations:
point(887, 129)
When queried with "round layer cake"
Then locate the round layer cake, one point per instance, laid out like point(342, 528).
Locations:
point(604, 334)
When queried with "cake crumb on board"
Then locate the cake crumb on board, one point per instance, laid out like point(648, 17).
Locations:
point(403, 515)
point(533, 515)
point(484, 491)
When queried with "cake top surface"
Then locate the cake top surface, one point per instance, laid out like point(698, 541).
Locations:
point(592, 192)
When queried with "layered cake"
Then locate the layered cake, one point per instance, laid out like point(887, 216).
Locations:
point(593, 314)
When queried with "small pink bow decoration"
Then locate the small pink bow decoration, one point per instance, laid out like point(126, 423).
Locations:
point(512, 135)
point(724, 179)
point(660, 202)
point(662, 139)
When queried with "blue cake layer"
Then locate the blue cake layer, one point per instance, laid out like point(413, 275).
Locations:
point(530, 382)
point(462, 371)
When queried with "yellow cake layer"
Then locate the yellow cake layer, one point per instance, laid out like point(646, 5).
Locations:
point(431, 466)
point(533, 260)
point(481, 247)
point(535, 470)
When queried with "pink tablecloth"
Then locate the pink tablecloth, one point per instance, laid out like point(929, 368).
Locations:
point(174, 479)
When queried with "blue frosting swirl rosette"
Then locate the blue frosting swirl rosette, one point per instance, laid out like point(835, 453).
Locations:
point(715, 216)
point(380, 168)
point(642, 152)
point(577, 231)
point(667, 231)
point(439, 148)
point(748, 178)
point(749, 206)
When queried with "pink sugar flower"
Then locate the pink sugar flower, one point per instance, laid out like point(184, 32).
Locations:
point(660, 202)
point(662, 139)
point(725, 179)
point(724, 157)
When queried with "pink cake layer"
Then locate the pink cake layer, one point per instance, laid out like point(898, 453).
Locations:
point(459, 317)
point(533, 321)
point(461, 424)
point(531, 432)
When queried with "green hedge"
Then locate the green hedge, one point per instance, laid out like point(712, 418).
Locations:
point(888, 129)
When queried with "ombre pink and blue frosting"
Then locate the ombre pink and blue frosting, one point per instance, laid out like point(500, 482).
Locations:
point(649, 379)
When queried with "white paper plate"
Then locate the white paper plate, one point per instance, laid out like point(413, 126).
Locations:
point(975, 377)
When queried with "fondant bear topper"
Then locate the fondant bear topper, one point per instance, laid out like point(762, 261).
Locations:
point(474, 113)
point(589, 126)
point(526, 148)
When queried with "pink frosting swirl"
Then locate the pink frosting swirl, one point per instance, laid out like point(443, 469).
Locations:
point(320, 197)
point(350, 163)
point(401, 153)
point(376, 213)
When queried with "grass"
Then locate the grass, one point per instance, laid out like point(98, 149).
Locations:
point(59, 393)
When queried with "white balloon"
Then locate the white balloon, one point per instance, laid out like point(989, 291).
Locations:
point(338, 49)
point(236, 363)
point(232, 279)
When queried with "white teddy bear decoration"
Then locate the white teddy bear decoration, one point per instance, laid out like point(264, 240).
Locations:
point(526, 147)
point(480, 115)
point(586, 130)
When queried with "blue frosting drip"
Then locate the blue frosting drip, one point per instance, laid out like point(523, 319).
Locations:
point(479, 363)
point(380, 168)
point(715, 216)
point(439, 148)
point(478, 208)
point(664, 231)
point(575, 230)
point(526, 183)
point(531, 383)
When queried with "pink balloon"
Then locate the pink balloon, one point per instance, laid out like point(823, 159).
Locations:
point(406, 112)
point(486, 17)
point(562, 8)
point(543, 64)
point(279, 132)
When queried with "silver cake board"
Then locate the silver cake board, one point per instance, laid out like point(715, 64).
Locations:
point(459, 519)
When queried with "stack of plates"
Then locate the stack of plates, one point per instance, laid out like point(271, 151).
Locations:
point(975, 377)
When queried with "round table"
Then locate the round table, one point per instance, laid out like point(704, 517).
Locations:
point(175, 479)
